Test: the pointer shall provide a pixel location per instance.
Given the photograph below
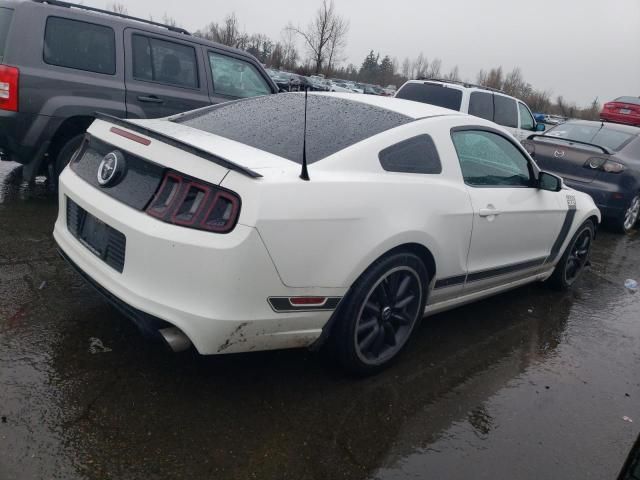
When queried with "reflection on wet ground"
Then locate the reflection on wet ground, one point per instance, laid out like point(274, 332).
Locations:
point(530, 384)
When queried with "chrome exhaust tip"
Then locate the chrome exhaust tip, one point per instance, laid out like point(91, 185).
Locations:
point(177, 341)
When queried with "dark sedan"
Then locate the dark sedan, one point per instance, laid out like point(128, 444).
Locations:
point(601, 159)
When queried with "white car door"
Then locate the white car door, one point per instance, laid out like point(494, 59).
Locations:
point(515, 223)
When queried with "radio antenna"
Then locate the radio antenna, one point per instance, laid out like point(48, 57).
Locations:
point(304, 175)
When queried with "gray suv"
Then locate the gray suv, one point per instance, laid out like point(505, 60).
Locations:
point(60, 63)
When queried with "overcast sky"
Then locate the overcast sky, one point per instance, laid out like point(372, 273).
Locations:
point(581, 49)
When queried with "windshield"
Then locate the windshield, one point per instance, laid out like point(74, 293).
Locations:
point(432, 93)
point(597, 134)
point(6, 14)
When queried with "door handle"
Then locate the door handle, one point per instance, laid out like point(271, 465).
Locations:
point(150, 99)
point(490, 211)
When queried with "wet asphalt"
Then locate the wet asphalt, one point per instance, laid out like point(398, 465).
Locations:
point(532, 384)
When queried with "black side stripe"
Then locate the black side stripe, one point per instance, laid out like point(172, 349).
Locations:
point(495, 272)
point(484, 274)
point(450, 281)
point(562, 236)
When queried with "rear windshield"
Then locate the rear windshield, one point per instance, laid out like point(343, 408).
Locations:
point(432, 93)
point(6, 14)
point(633, 100)
point(597, 134)
point(274, 123)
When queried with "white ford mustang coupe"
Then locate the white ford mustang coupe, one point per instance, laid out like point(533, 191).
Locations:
point(232, 229)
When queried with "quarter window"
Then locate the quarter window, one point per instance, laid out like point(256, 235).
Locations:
point(481, 105)
point(414, 155)
point(236, 78)
point(526, 120)
point(164, 62)
point(80, 45)
point(490, 160)
point(506, 113)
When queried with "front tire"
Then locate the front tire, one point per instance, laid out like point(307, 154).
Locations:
point(381, 311)
point(574, 259)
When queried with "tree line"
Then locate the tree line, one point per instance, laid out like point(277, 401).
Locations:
point(324, 40)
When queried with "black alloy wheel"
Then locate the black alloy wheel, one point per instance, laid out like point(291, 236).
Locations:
point(574, 259)
point(387, 315)
point(377, 317)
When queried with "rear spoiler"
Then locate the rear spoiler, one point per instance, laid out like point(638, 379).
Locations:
point(178, 144)
point(568, 140)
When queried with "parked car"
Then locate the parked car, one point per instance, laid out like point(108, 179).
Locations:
point(622, 110)
point(554, 119)
point(339, 87)
point(237, 239)
point(62, 62)
point(601, 159)
point(490, 104)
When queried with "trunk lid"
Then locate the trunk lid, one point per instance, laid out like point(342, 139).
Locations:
point(236, 153)
point(566, 160)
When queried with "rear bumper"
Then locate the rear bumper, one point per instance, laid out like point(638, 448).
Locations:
point(620, 118)
point(212, 287)
point(610, 198)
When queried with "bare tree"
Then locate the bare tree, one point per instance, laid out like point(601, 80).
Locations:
point(227, 33)
point(406, 68)
point(453, 75)
point(290, 51)
point(337, 42)
point(434, 68)
point(320, 33)
point(118, 8)
point(167, 20)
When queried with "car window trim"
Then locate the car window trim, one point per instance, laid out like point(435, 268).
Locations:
point(115, 46)
point(534, 170)
point(143, 33)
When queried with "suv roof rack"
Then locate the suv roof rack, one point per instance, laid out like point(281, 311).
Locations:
point(59, 3)
point(464, 84)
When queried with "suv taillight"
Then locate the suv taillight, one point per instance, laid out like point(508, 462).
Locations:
point(187, 202)
point(9, 88)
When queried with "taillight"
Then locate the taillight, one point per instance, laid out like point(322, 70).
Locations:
point(9, 77)
point(609, 166)
point(184, 201)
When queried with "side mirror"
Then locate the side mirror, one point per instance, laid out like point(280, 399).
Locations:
point(550, 182)
point(540, 127)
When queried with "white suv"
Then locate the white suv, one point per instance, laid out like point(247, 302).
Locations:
point(487, 103)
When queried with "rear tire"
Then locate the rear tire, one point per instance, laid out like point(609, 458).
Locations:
point(379, 314)
point(574, 259)
point(65, 154)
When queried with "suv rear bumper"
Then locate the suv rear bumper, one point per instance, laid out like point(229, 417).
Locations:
point(14, 129)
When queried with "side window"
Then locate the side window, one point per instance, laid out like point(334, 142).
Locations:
point(490, 160)
point(80, 45)
point(414, 155)
point(506, 113)
point(481, 105)
point(165, 62)
point(236, 78)
point(526, 120)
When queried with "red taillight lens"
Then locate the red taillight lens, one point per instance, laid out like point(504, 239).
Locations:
point(191, 203)
point(9, 77)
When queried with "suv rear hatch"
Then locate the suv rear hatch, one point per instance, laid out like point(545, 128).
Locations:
point(6, 16)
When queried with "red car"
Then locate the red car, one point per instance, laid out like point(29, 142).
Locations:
point(622, 110)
